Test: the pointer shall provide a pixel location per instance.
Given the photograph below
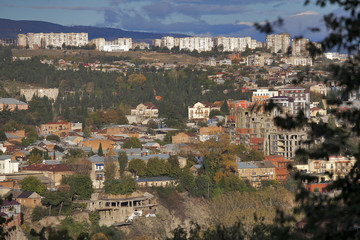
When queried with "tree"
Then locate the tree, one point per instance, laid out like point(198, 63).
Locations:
point(215, 112)
point(125, 185)
point(225, 108)
point(137, 167)
point(81, 185)
point(53, 137)
point(132, 142)
point(33, 184)
point(109, 169)
point(123, 161)
point(100, 151)
point(156, 167)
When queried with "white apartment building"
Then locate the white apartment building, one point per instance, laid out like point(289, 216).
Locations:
point(201, 111)
point(277, 42)
point(201, 44)
point(7, 166)
point(339, 166)
point(286, 104)
point(45, 40)
point(298, 60)
point(118, 45)
point(168, 42)
point(231, 44)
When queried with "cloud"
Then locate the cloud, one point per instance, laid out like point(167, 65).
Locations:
point(75, 8)
point(306, 13)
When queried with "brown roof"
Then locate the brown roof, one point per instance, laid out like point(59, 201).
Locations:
point(44, 167)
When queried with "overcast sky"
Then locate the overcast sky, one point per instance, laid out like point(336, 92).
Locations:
point(195, 17)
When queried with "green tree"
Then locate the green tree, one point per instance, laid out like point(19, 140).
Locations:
point(53, 137)
point(225, 108)
point(33, 184)
point(100, 151)
point(109, 169)
point(215, 112)
point(123, 161)
point(132, 142)
point(81, 185)
point(156, 167)
point(137, 167)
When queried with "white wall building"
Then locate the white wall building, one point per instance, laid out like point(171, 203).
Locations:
point(277, 42)
point(45, 40)
point(7, 166)
point(201, 111)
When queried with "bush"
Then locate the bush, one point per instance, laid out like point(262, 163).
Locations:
point(38, 213)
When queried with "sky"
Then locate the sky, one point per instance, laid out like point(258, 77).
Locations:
point(194, 17)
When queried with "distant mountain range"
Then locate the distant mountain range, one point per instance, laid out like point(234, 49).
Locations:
point(10, 29)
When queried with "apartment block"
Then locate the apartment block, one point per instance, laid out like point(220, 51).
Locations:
point(277, 42)
point(29, 93)
point(46, 40)
point(118, 45)
point(300, 47)
point(201, 44)
point(301, 98)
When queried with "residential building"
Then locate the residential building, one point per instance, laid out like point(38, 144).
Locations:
point(319, 88)
point(12, 104)
point(280, 164)
point(141, 45)
point(53, 172)
point(300, 47)
point(95, 144)
point(55, 128)
point(298, 60)
point(168, 42)
point(97, 172)
point(8, 166)
point(231, 44)
point(144, 111)
point(25, 198)
point(200, 44)
point(285, 103)
point(301, 98)
point(200, 111)
point(11, 211)
point(184, 137)
point(266, 171)
point(285, 143)
point(56, 40)
point(118, 45)
point(260, 97)
point(29, 93)
point(278, 42)
point(339, 166)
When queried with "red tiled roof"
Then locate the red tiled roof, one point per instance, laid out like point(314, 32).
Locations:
point(44, 167)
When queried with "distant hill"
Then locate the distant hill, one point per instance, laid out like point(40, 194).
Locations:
point(10, 29)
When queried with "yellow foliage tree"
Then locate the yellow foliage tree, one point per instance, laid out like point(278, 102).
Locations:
point(219, 153)
point(135, 80)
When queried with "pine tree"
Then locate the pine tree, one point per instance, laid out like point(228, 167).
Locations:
point(100, 151)
point(225, 108)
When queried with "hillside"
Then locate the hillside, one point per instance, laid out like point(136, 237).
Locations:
point(10, 29)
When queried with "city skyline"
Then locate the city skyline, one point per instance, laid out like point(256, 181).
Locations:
point(194, 17)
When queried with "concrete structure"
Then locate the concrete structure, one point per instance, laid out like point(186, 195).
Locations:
point(184, 137)
point(285, 143)
point(339, 166)
point(12, 104)
point(301, 98)
point(11, 211)
point(277, 42)
point(46, 40)
point(168, 42)
point(200, 111)
point(55, 128)
point(116, 211)
point(7, 166)
point(231, 44)
point(155, 182)
point(25, 198)
point(319, 88)
point(141, 45)
point(200, 44)
point(298, 61)
point(300, 47)
point(118, 45)
point(21, 40)
point(285, 103)
point(260, 97)
point(280, 164)
point(51, 93)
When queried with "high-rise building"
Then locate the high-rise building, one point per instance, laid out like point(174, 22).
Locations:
point(277, 42)
point(300, 47)
point(47, 40)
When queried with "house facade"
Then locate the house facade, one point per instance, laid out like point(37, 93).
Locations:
point(200, 111)
point(12, 104)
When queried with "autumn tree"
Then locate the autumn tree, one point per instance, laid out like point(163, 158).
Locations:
point(110, 169)
point(218, 154)
point(156, 167)
point(136, 80)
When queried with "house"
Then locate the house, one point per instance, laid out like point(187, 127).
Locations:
point(184, 137)
point(205, 133)
point(20, 155)
point(155, 181)
point(54, 172)
point(12, 104)
point(25, 198)
point(95, 143)
point(56, 128)
point(266, 171)
point(7, 166)
point(194, 169)
point(200, 111)
point(280, 166)
point(97, 172)
point(15, 136)
point(144, 111)
point(248, 171)
point(11, 211)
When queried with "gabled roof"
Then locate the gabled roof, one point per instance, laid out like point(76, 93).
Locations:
point(246, 165)
point(264, 164)
point(11, 101)
point(9, 203)
point(5, 157)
